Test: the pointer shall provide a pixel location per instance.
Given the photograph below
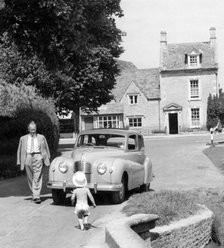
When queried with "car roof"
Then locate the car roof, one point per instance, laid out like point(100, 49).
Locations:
point(110, 131)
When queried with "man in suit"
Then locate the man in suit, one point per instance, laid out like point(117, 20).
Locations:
point(32, 152)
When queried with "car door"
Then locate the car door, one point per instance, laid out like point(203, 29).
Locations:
point(135, 160)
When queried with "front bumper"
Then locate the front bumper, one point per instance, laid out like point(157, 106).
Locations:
point(93, 186)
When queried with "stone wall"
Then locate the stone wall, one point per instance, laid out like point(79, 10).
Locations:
point(191, 232)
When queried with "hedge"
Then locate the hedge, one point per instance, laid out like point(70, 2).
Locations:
point(19, 106)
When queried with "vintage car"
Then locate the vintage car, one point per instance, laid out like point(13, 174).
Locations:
point(113, 160)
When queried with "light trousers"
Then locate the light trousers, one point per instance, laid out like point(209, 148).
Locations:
point(34, 172)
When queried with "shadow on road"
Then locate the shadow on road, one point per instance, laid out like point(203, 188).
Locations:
point(18, 186)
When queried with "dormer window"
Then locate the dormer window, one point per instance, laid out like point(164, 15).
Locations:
point(193, 59)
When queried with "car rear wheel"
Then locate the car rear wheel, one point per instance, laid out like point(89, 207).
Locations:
point(120, 196)
point(58, 196)
point(145, 187)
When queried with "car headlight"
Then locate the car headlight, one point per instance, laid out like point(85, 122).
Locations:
point(63, 167)
point(101, 168)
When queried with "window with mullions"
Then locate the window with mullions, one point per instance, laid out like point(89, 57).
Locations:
point(133, 99)
point(109, 121)
point(194, 89)
point(193, 60)
point(135, 122)
point(195, 117)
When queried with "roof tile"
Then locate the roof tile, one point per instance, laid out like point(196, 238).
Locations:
point(147, 80)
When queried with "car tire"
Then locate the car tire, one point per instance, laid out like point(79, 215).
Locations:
point(120, 196)
point(58, 196)
point(145, 187)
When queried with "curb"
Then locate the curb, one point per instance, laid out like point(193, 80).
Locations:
point(119, 234)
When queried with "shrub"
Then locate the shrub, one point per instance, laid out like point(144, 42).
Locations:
point(7, 167)
point(18, 106)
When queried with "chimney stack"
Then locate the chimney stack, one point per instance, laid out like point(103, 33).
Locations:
point(163, 46)
point(212, 36)
point(163, 38)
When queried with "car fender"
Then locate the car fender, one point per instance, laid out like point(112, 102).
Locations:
point(119, 167)
point(148, 171)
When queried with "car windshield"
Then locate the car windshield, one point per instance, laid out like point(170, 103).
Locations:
point(101, 140)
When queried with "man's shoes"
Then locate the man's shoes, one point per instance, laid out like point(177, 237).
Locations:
point(37, 200)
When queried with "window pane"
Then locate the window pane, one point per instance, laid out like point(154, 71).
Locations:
point(193, 60)
point(135, 122)
point(133, 99)
point(108, 121)
point(194, 91)
point(195, 117)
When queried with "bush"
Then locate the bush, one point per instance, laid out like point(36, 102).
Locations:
point(7, 167)
point(18, 106)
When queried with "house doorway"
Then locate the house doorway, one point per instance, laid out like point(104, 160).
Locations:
point(88, 123)
point(173, 123)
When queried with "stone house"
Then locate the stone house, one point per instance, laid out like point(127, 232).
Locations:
point(171, 98)
point(188, 74)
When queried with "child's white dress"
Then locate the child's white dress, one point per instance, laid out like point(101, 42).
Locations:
point(82, 208)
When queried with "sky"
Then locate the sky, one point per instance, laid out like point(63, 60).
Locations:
point(183, 20)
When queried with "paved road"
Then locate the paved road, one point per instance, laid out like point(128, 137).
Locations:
point(178, 163)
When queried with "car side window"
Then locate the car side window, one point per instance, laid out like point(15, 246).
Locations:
point(89, 140)
point(132, 142)
point(140, 142)
point(85, 140)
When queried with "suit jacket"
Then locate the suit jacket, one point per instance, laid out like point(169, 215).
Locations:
point(22, 148)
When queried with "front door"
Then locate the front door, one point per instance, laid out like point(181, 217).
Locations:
point(173, 123)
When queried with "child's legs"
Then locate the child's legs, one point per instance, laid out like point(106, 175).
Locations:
point(80, 219)
point(81, 223)
point(85, 219)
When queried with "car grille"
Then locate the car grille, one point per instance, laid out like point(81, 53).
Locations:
point(85, 167)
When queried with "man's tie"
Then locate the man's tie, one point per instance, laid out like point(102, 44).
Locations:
point(32, 145)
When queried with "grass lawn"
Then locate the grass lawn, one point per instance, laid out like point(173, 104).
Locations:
point(168, 205)
point(216, 155)
point(174, 205)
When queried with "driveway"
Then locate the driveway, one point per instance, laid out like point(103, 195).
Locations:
point(179, 162)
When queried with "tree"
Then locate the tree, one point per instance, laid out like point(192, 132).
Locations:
point(215, 109)
point(77, 41)
point(18, 69)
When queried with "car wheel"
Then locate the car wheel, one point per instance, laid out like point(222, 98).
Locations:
point(120, 196)
point(145, 187)
point(58, 196)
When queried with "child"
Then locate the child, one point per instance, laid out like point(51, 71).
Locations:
point(81, 194)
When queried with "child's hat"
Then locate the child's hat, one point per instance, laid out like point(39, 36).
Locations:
point(79, 179)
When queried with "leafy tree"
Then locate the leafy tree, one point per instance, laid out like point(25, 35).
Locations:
point(77, 41)
point(18, 69)
point(215, 109)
